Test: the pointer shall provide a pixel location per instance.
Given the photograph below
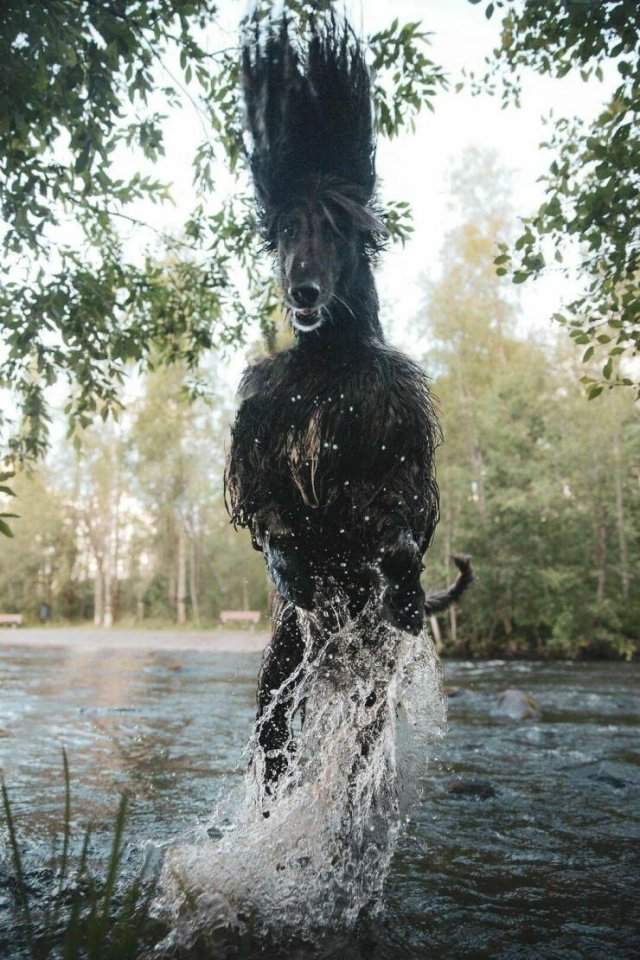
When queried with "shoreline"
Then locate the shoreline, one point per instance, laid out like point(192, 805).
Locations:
point(100, 638)
point(213, 640)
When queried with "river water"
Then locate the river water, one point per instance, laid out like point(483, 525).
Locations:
point(524, 842)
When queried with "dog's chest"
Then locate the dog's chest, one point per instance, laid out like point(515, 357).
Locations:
point(332, 438)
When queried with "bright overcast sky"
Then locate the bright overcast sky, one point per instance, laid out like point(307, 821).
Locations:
point(416, 166)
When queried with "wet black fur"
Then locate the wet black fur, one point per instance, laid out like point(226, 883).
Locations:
point(332, 458)
point(309, 114)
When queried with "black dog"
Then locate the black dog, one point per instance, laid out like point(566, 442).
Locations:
point(332, 459)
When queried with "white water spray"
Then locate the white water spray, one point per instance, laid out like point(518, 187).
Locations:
point(315, 853)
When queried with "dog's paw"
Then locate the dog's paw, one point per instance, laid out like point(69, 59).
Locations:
point(404, 608)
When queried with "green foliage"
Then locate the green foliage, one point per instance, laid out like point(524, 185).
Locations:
point(42, 548)
point(132, 525)
point(83, 85)
point(88, 917)
point(592, 184)
point(6, 491)
point(415, 79)
point(535, 484)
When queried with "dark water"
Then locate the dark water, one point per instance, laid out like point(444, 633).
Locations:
point(526, 843)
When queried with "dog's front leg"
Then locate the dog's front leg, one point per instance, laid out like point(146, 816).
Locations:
point(288, 569)
point(286, 563)
point(403, 598)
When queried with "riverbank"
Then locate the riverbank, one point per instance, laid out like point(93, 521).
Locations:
point(161, 636)
point(95, 638)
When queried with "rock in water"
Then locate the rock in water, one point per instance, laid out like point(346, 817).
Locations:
point(517, 705)
point(472, 789)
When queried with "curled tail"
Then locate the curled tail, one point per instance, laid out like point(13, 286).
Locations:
point(441, 599)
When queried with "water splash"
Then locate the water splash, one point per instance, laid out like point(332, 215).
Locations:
point(314, 853)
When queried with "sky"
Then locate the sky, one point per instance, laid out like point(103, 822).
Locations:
point(416, 166)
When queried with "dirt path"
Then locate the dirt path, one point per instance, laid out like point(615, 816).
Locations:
point(233, 641)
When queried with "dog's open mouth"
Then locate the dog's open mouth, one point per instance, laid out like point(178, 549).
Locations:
point(307, 320)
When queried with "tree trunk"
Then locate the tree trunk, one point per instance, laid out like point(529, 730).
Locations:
point(114, 595)
point(98, 594)
point(107, 617)
point(181, 575)
point(601, 560)
point(478, 468)
point(620, 518)
point(453, 621)
point(193, 581)
point(435, 630)
point(453, 624)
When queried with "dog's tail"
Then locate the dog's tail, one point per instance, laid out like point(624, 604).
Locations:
point(441, 599)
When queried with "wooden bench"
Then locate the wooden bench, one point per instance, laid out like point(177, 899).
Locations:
point(10, 619)
point(241, 616)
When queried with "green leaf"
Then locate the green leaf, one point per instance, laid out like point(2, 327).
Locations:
point(594, 391)
point(588, 353)
point(5, 529)
point(82, 160)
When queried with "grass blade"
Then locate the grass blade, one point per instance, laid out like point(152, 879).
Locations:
point(64, 861)
point(72, 934)
point(21, 889)
point(114, 859)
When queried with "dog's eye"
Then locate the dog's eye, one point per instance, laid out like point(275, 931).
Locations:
point(288, 229)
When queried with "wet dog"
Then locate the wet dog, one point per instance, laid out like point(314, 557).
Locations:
point(331, 464)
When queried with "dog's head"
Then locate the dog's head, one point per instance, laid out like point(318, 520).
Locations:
point(308, 110)
point(319, 240)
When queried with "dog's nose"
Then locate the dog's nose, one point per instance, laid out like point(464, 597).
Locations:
point(305, 295)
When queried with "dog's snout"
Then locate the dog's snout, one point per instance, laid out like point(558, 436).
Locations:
point(305, 295)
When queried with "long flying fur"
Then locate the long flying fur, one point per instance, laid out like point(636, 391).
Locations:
point(309, 112)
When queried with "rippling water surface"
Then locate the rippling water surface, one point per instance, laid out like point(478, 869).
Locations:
point(524, 844)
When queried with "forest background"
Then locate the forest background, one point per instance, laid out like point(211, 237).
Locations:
point(122, 520)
